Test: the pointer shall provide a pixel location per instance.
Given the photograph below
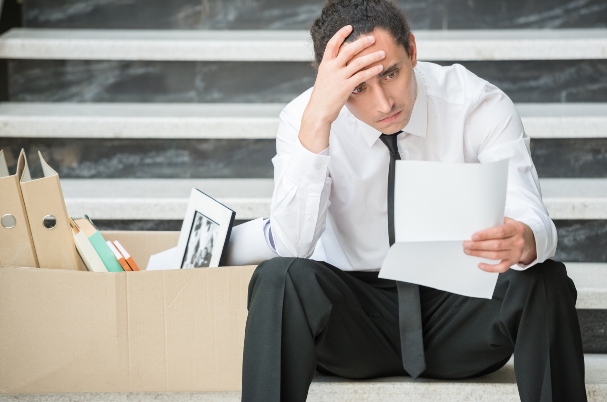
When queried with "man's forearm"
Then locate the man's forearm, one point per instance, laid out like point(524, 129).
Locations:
point(314, 132)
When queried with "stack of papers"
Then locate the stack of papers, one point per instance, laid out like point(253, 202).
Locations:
point(436, 207)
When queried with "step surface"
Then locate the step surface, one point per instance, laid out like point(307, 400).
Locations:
point(499, 386)
point(250, 198)
point(590, 280)
point(267, 45)
point(238, 120)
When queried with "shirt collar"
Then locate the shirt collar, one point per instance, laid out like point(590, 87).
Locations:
point(418, 123)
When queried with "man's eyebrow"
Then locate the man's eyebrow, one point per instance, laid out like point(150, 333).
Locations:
point(386, 71)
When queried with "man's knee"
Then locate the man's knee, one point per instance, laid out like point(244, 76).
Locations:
point(270, 275)
point(547, 277)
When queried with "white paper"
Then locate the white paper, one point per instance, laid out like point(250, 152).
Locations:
point(163, 260)
point(247, 245)
point(440, 265)
point(436, 207)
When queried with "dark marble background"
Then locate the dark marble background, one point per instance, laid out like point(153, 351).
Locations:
point(261, 82)
point(581, 240)
point(593, 324)
point(149, 158)
point(250, 158)
point(299, 14)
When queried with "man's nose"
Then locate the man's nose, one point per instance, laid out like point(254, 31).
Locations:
point(383, 103)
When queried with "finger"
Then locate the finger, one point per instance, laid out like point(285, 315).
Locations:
point(498, 244)
point(496, 232)
point(364, 75)
point(349, 50)
point(336, 41)
point(503, 266)
point(491, 255)
point(364, 61)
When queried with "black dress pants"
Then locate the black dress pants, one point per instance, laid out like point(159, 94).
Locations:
point(306, 315)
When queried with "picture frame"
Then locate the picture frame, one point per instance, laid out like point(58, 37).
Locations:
point(205, 232)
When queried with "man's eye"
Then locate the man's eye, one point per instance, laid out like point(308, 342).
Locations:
point(391, 75)
point(357, 90)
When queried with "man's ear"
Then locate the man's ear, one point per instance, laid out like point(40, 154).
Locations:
point(412, 50)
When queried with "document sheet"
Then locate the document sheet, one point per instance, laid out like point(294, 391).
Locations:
point(437, 206)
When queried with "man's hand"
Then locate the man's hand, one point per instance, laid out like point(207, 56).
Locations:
point(512, 243)
point(337, 77)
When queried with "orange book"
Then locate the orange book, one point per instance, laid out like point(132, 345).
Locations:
point(118, 256)
point(129, 259)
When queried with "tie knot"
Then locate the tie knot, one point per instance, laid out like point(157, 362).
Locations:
point(390, 140)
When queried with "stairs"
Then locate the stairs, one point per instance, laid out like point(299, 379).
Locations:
point(499, 386)
point(133, 109)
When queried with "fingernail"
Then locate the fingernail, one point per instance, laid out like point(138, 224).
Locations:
point(372, 39)
point(467, 244)
point(382, 53)
point(474, 237)
point(467, 251)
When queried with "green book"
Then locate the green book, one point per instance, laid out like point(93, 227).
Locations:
point(99, 244)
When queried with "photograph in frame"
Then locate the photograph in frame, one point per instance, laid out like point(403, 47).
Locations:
point(205, 232)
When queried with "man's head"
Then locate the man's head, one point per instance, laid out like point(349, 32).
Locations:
point(393, 91)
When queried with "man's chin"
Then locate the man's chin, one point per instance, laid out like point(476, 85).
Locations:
point(390, 128)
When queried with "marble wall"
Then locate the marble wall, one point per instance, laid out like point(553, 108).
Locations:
point(593, 324)
point(299, 14)
point(570, 157)
point(161, 81)
point(230, 158)
point(582, 240)
point(150, 158)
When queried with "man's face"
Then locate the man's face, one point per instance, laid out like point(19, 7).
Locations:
point(385, 101)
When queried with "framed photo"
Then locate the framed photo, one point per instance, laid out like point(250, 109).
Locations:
point(205, 232)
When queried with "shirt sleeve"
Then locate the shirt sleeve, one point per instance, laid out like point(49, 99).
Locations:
point(302, 187)
point(496, 132)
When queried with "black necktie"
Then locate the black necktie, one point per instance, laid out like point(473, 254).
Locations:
point(409, 308)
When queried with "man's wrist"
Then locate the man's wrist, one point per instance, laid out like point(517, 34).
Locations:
point(529, 250)
point(314, 133)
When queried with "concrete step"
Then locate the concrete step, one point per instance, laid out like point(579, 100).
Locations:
point(590, 280)
point(499, 386)
point(238, 120)
point(250, 198)
point(267, 45)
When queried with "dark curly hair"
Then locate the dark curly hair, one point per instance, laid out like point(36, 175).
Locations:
point(364, 16)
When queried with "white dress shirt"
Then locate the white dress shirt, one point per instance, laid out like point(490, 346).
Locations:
point(340, 195)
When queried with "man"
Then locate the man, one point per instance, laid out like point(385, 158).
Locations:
point(332, 183)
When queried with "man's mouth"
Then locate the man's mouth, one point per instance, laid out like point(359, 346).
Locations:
point(389, 118)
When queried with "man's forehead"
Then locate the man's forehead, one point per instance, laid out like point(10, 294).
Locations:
point(383, 41)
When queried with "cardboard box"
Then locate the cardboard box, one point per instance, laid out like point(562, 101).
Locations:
point(155, 331)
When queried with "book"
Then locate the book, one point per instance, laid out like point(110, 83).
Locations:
point(118, 256)
point(127, 256)
point(86, 250)
point(99, 244)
